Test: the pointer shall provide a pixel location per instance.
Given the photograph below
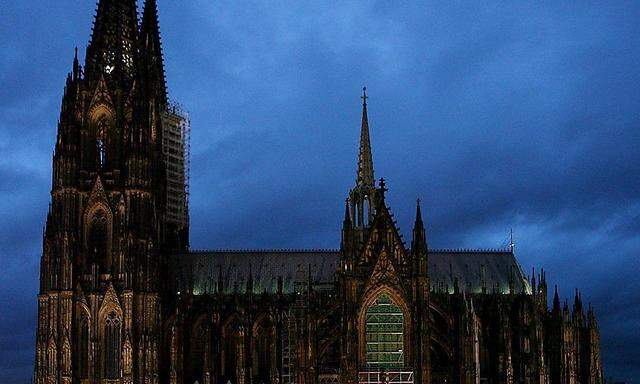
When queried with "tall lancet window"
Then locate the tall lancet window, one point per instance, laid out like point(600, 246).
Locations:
point(263, 351)
point(384, 334)
point(83, 349)
point(98, 241)
point(112, 346)
point(101, 134)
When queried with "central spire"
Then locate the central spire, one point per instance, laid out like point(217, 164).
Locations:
point(365, 175)
point(114, 39)
point(362, 196)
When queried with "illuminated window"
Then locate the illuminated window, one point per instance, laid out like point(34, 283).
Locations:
point(101, 152)
point(384, 334)
point(102, 130)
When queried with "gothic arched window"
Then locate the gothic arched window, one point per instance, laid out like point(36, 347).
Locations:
point(263, 352)
point(102, 129)
point(232, 349)
point(197, 353)
point(83, 349)
point(384, 334)
point(112, 346)
point(98, 240)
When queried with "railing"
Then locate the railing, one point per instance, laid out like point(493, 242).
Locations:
point(329, 378)
point(385, 377)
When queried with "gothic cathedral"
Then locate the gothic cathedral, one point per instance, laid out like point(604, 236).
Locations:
point(124, 300)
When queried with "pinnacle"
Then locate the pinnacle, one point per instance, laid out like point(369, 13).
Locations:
point(347, 215)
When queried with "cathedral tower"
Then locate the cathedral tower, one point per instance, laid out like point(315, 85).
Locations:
point(106, 238)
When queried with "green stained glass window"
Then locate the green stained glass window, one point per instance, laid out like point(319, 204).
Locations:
point(384, 334)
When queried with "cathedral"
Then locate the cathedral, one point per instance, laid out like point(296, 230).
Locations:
point(123, 299)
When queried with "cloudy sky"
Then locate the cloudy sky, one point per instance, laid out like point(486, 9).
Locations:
point(498, 115)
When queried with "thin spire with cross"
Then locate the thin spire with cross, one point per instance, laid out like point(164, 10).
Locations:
point(365, 176)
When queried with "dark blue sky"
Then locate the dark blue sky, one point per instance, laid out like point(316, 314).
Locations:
point(499, 115)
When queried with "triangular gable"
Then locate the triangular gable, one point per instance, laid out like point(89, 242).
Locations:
point(101, 98)
point(384, 272)
point(378, 240)
point(110, 301)
point(97, 193)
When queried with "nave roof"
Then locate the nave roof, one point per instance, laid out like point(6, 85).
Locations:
point(473, 270)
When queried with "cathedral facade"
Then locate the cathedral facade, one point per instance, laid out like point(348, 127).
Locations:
point(124, 300)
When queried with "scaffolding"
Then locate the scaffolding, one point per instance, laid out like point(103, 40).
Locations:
point(384, 329)
point(382, 377)
point(176, 150)
point(288, 348)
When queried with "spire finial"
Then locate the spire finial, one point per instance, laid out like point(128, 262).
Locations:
point(364, 96)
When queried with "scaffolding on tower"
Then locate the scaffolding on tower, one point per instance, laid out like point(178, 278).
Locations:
point(176, 150)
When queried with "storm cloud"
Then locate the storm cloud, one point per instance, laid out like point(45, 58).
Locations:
point(500, 115)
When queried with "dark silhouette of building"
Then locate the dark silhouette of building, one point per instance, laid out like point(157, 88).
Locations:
point(123, 299)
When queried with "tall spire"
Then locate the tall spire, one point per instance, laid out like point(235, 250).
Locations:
point(364, 196)
point(152, 51)
point(113, 46)
point(365, 175)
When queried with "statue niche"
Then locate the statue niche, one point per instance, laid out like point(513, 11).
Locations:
point(102, 122)
point(101, 149)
